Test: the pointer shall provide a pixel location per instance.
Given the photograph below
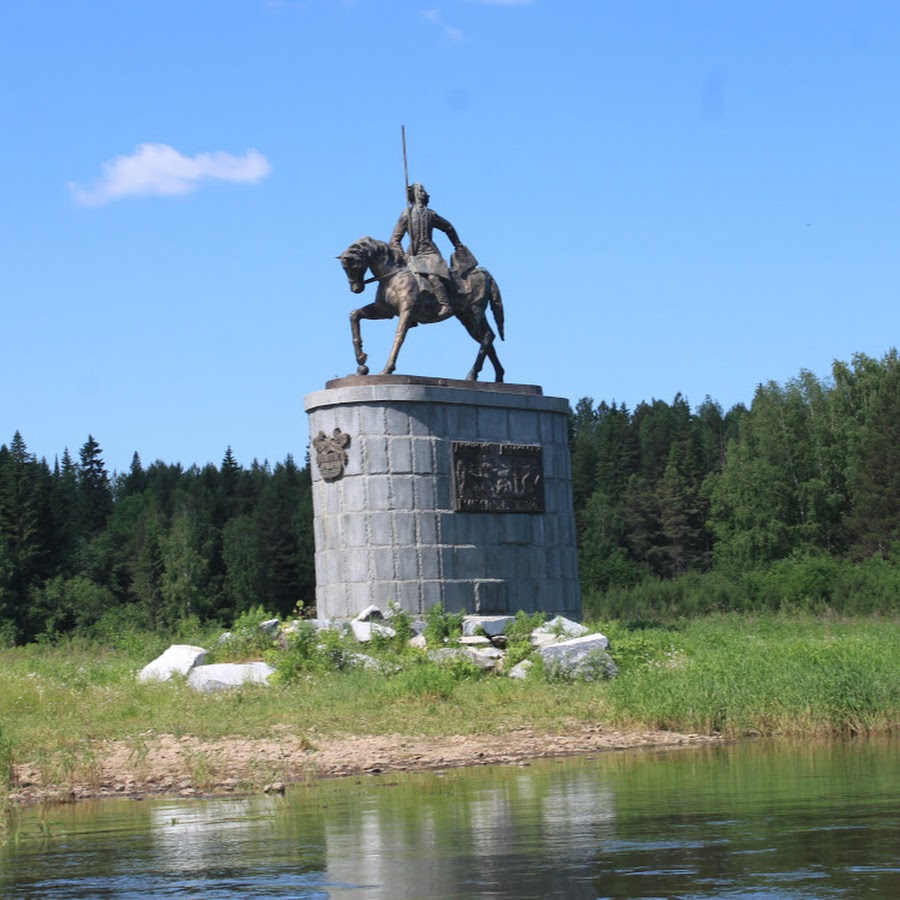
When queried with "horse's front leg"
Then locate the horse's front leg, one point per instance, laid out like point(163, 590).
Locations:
point(362, 368)
point(372, 311)
point(399, 338)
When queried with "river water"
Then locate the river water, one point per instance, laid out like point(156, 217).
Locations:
point(753, 820)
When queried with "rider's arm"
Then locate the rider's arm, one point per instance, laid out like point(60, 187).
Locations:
point(399, 230)
point(442, 224)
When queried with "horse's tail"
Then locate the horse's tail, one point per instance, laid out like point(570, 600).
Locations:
point(496, 302)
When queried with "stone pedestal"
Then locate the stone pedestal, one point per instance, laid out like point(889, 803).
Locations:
point(432, 491)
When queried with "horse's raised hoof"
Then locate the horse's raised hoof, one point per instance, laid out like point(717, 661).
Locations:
point(362, 370)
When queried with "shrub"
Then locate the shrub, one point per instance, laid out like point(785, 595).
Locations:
point(523, 624)
point(441, 626)
point(305, 649)
point(401, 623)
point(246, 639)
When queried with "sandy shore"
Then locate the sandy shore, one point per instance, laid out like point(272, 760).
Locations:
point(188, 766)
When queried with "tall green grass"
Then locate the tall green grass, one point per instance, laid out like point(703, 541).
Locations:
point(729, 674)
point(739, 675)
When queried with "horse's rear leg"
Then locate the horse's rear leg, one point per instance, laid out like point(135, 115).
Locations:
point(478, 328)
point(475, 371)
point(495, 360)
point(486, 350)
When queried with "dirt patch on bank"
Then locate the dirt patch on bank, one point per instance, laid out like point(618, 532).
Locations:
point(188, 766)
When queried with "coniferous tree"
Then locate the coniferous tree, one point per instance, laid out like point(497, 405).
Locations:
point(64, 514)
point(94, 490)
point(21, 518)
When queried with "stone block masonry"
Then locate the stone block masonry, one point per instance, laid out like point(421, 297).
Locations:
point(431, 491)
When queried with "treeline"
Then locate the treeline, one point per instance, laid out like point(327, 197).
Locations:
point(80, 550)
point(795, 500)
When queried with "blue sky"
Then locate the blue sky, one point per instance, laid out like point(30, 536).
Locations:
point(673, 196)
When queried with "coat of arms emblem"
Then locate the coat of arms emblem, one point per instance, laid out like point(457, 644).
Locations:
point(331, 453)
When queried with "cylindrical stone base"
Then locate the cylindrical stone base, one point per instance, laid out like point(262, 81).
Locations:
point(430, 491)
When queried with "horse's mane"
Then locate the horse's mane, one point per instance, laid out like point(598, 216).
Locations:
point(367, 247)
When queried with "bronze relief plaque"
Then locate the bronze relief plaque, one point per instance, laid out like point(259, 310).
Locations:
point(497, 477)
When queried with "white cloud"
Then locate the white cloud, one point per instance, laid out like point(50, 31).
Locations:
point(450, 31)
point(157, 169)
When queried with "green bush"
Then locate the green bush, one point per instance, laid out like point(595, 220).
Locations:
point(305, 650)
point(246, 640)
point(441, 626)
point(523, 624)
point(425, 679)
point(401, 623)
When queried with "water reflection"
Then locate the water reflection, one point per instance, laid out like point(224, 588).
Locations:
point(814, 821)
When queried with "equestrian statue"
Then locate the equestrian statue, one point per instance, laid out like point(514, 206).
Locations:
point(418, 286)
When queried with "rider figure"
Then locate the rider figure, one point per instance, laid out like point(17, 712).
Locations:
point(424, 258)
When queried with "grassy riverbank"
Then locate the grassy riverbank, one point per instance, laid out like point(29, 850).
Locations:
point(60, 705)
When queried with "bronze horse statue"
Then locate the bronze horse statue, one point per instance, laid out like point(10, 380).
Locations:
point(402, 293)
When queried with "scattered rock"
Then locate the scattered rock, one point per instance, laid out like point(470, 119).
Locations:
point(520, 670)
point(365, 631)
point(443, 654)
point(221, 676)
point(580, 659)
point(370, 614)
point(373, 665)
point(418, 642)
point(560, 626)
point(490, 625)
point(484, 658)
point(543, 639)
point(179, 659)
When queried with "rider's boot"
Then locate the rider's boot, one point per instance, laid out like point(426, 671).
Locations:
point(445, 310)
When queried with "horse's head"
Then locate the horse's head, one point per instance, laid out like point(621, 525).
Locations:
point(369, 253)
point(354, 262)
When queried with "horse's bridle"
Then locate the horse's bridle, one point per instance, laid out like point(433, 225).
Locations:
point(381, 277)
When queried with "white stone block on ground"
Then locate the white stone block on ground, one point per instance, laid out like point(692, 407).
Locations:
point(443, 654)
point(221, 676)
point(543, 639)
point(520, 670)
point(584, 658)
point(179, 659)
point(491, 625)
point(367, 631)
point(486, 658)
point(560, 625)
point(370, 614)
